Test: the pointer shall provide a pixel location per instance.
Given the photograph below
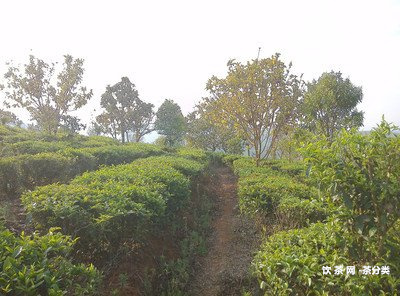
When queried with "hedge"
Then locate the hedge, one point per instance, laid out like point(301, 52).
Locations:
point(263, 193)
point(115, 204)
point(23, 172)
point(277, 190)
point(290, 263)
point(39, 265)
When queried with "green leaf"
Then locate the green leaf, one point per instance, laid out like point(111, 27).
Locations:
point(372, 231)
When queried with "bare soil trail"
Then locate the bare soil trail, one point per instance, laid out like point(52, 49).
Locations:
point(231, 244)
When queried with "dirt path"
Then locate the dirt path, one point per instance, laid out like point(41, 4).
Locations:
point(225, 269)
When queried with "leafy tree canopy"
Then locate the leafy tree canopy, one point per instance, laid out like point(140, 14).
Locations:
point(330, 104)
point(124, 112)
point(259, 99)
point(170, 122)
point(48, 97)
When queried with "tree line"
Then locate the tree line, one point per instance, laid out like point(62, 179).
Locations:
point(260, 106)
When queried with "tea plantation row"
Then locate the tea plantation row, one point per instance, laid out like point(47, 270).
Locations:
point(342, 223)
point(93, 215)
point(26, 171)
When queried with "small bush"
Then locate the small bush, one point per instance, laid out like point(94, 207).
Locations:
point(26, 171)
point(114, 204)
point(39, 265)
point(290, 263)
point(192, 153)
point(294, 212)
point(262, 194)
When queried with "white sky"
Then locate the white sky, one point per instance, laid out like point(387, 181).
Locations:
point(169, 49)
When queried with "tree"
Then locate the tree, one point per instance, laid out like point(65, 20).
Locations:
point(72, 124)
point(170, 122)
point(107, 125)
point(9, 118)
point(202, 133)
point(258, 98)
point(125, 112)
point(141, 119)
point(330, 104)
point(48, 98)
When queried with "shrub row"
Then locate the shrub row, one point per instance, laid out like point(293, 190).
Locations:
point(274, 190)
point(115, 204)
point(26, 171)
point(196, 154)
point(290, 263)
point(39, 265)
point(18, 141)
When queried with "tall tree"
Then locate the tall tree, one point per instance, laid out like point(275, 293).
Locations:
point(105, 124)
point(170, 122)
point(117, 101)
point(260, 98)
point(141, 120)
point(330, 104)
point(125, 112)
point(204, 134)
point(9, 118)
point(48, 97)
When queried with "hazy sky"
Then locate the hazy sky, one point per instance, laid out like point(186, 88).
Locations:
point(169, 49)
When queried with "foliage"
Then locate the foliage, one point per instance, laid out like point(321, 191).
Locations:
point(124, 112)
point(259, 99)
point(293, 212)
point(49, 104)
point(330, 104)
point(196, 154)
point(9, 118)
point(33, 265)
point(14, 140)
point(114, 204)
point(262, 194)
point(174, 275)
point(25, 171)
point(275, 191)
point(363, 175)
point(290, 263)
point(202, 133)
point(170, 122)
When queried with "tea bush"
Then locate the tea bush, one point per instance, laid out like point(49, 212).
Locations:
point(245, 166)
point(362, 175)
point(117, 203)
point(15, 141)
point(294, 212)
point(192, 153)
point(112, 155)
point(39, 265)
point(22, 172)
point(277, 190)
point(290, 263)
point(263, 193)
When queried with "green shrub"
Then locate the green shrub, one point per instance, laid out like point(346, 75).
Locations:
point(22, 172)
point(112, 155)
point(34, 147)
point(43, 168)
point(245, 166)
point(294, 212)
point(39, 265)
point(114, 204)
point(228, 159)
point(192, 153)
point(10, 177)
point(290, 263)
point(262, 194)
point(362, 174)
